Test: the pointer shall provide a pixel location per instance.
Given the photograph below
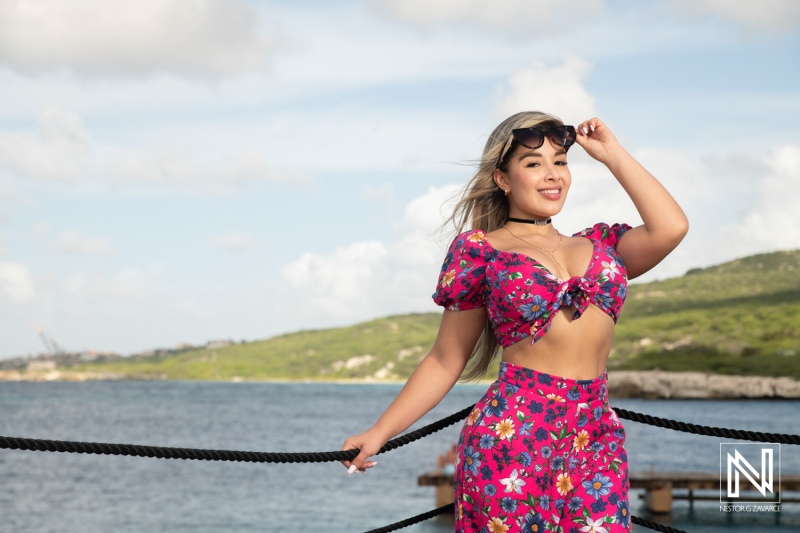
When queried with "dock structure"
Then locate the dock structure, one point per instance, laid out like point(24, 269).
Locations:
point(658, 487)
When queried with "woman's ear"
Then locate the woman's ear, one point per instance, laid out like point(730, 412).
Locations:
point(501, 180)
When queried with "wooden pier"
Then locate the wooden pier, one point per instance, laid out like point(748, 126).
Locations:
point(659, 487)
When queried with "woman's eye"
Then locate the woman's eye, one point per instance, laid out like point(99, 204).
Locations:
point(561, 162)
point(531, 165)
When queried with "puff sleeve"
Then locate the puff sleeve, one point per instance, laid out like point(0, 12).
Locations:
point(608, 235)
point(463, 274)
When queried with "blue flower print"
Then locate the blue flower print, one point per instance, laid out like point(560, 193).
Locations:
point(496, 406)
point(559, 503)
point(472, 460)
point(575, 504)
point(533, 309)
point(600, 485)
point(532, 523)
point(558, 463)
point(541, 434)
point(525, 429)
point(599, 506)
point(596, 446)
point(623, 514)
point(490, 490)
point(573, 462)
point(573, 394)
point(545, 379)
point(612, 446)
point(606, 300)
point(535, 407)
point(544, 502)
point(619, 433)
point(622, 291)
point(582, 420)
point(525, 459)
point(487, 441)
point(547, 452)
point(614, 498)
point(508, 505)
point(597, 412)
point(486, 473)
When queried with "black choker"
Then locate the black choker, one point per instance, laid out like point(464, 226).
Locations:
point(537, 222)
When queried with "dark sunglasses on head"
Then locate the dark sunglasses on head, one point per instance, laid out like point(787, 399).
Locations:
point(534, 138)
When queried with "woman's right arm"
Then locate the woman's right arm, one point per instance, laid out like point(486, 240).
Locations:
point(429, 383)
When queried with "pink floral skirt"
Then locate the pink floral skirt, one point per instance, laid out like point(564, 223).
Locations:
point(542, 453)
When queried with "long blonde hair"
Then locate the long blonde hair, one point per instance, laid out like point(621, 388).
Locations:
point(483, 205)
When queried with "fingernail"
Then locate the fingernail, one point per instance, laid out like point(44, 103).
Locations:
point(583, 129)
point(592, 127)
point(363, 472)
point(352, 469)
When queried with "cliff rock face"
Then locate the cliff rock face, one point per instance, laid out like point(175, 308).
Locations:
point(657, 384)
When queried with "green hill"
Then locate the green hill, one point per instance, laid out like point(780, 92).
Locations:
point(740, 317)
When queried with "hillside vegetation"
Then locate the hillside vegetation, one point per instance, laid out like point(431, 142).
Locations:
point(740, 317)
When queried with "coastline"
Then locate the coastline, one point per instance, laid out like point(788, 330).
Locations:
point(644, 384)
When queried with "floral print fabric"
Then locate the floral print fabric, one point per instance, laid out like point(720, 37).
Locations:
point(520, 294)
point(542, 453)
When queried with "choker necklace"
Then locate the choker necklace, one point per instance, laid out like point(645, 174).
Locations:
point(536, 222)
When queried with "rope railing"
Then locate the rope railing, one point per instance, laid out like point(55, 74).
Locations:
point(160, 452)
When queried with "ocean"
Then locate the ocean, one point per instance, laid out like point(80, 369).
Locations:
point(56, 492)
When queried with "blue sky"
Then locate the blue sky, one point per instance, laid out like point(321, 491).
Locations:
point(177, 172)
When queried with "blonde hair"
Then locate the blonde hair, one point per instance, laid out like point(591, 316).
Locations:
point(483, 205)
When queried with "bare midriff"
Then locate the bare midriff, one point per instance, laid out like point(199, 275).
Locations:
point(575, 349)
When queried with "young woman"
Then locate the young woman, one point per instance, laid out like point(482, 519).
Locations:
point(542, 450)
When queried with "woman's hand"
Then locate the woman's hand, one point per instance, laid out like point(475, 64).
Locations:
point(369, 443)
point(597, 140)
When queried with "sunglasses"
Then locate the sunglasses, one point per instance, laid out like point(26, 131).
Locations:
point(534, 138)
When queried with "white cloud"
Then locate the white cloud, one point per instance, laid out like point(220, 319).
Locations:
point(558, 90)
point(205, 38)
point(763, 15)
point(234, 241)
point(772, 220)
point(129, 284)
point(165, 168)
point(502, 16)
point(17, 285)
point(57, 150)
point(370, 278)
point(73, 242)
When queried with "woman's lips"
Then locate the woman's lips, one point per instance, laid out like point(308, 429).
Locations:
point(551, 194)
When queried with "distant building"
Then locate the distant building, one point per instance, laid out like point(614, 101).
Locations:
point(219, 343)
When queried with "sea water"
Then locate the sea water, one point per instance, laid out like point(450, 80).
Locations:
point(59, 492)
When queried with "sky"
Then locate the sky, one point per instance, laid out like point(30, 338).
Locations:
point(175, 172)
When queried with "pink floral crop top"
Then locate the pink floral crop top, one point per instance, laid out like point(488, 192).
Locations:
point(521, 296)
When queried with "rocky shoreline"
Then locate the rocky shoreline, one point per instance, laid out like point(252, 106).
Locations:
point(646, 384)
point(657, 384)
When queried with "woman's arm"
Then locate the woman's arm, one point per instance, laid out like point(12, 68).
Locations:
point(429, 383)
point(665, 224)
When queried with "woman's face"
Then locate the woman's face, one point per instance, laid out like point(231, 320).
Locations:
point(537, 180)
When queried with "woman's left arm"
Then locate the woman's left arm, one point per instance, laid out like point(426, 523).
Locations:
point(665, 224)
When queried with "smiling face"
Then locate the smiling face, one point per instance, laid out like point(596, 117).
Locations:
point(537, 180)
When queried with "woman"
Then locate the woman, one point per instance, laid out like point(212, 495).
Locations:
point(542, 450)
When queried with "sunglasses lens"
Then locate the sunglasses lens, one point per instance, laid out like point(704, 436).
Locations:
point(529, 137)
point(563, 135)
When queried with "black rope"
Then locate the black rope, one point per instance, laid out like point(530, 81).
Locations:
point(320, 457)
point(710, 431)
point(654, 525)
point(160, 452)
point(414, 519)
